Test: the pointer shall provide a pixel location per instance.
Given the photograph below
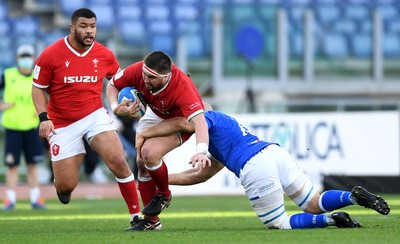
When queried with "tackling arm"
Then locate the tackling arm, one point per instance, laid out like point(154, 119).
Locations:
point(164, 128)
point(195, 175)
point(168, 127)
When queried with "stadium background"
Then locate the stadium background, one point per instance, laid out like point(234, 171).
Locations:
point(245, 56)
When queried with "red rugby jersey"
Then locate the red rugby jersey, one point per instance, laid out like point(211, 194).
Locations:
point(73, 80)
point(179, 98)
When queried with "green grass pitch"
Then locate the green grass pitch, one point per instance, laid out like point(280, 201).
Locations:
point(211, 219)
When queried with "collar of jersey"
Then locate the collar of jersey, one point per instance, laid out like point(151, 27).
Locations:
point(73, 49)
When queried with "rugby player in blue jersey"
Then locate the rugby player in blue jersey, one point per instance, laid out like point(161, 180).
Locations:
point(266, 171)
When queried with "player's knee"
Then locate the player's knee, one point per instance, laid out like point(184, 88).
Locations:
point(313, 206)
point(147, 155)
point(65, 187)
point(119, 167)
point(304, 194)
point(271, 210)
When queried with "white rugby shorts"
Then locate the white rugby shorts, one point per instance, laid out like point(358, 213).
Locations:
point(68, 141)
point(149, 119)
point(271, 169)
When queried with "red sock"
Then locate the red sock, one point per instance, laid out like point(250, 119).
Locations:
point(147, 191)
point(152, 218)
point(129, 192)
point(160, 178)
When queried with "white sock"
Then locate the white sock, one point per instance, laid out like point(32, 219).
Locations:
point(134, 215)
point(329, 219)
point(11, 196)
point(35, 194)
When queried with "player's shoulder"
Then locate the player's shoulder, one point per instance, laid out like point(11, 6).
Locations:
point(135, 67)
point(52, 52)
point(55, 46)
point(99, 47)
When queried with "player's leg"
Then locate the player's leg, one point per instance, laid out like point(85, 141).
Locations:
point(266, 192)
point(152, 171)
point(109, 147)
point(33, 149)
point(146, 185)
point(304, 194)
point(66, 152)
point(148, 190)
point(12, 151)
point(66, 176)
point(91, 166)
point(152, 152)
point(154, 197)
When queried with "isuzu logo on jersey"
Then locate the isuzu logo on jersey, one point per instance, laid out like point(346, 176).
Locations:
point(81, 78)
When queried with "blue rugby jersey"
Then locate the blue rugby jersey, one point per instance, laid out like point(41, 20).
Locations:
point(231, 143)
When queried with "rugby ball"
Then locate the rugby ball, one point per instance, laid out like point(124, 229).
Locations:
point(133, 94)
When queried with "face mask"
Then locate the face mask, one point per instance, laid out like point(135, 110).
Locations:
point(25, 63)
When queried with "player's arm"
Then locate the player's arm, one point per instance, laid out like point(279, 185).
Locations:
point(40, 101)
point(121, 109)
point(200, 159)
point(195, 175)
point(112, 94)
point(168, 127)
point(164, 128)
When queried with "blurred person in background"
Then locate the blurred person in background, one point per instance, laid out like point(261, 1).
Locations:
point(266, 171)
point(71, 71)
point(21, 128)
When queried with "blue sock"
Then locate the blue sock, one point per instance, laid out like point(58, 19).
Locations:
point(335, 199)
point(307, 220)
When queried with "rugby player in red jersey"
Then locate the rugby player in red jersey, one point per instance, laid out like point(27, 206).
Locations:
point(169, 93)
point(71, 70)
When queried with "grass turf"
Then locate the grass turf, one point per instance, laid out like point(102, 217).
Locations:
point(211, 219)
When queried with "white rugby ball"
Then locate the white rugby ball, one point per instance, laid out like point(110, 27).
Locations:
point(133, 94)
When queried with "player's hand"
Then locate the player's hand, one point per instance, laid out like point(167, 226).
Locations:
point(128, 108)
point(45, 129)
point(139, 143)
point(122, 109)
point(200, 160)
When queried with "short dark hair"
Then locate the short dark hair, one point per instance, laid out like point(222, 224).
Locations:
point(158, 61)
point(82, 12)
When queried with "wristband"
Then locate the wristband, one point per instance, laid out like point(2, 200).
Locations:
point(114, 105)
point(43, 117)
point(202, 148)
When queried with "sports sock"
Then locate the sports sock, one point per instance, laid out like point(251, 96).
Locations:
point(307, 220)
point(11, 196)
point(147, 190)
point(128, 190)
point(34, 194)
point(159, 174)
point(152, 218)
point(334, 199)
